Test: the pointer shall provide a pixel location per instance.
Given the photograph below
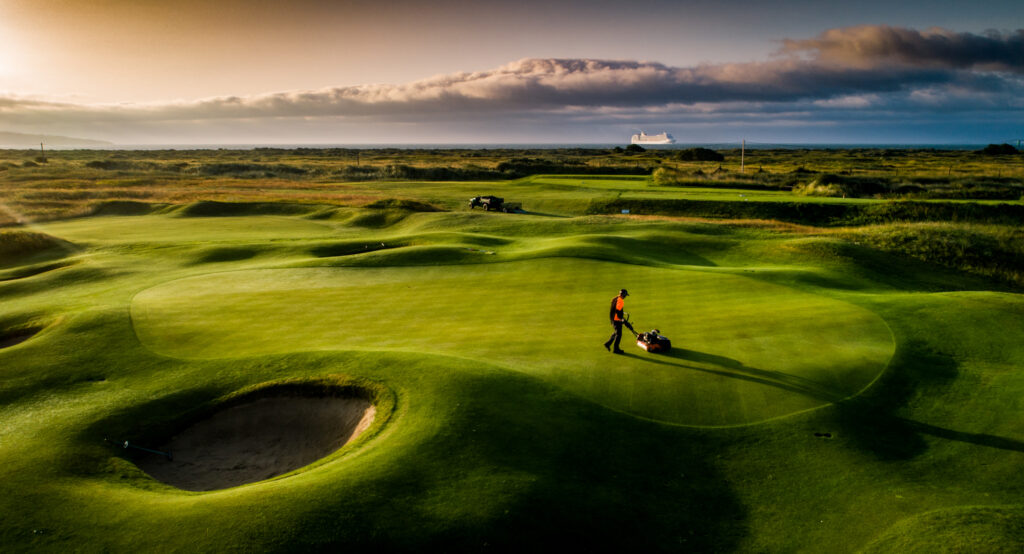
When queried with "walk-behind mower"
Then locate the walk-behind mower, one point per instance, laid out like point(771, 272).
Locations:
point(651, 341)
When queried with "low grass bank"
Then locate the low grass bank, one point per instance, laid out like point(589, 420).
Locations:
point(988, 250)
point(914, 184)
point(819, 214)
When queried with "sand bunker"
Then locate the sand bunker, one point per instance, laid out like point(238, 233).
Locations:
point(258, 440)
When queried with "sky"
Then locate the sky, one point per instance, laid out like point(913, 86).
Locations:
point(530, 71)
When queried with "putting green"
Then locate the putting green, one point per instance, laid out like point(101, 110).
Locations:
point(744, 351)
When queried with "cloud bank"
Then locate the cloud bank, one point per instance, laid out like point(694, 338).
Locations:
point(843, 74)
point(873, 45)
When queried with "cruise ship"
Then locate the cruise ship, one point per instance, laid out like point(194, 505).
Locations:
point(644, 138)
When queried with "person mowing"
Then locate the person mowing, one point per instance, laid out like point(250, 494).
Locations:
point(618, 320)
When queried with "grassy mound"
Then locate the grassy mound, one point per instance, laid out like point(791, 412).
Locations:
point(122, 207)
point(183, 230)
point(211, 208)
point(963, 529)
point(23, 271)
point(350, 247)
point(378, 219)
point(401, 204)
point(226, 254)
point(19, 247)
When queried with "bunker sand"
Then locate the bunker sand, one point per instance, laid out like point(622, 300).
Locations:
point(259, 440)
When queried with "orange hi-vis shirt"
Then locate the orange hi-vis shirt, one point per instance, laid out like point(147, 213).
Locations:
point(620, 303)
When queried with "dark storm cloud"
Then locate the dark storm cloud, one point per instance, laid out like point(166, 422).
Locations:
point(874, 45)
point(843, 69)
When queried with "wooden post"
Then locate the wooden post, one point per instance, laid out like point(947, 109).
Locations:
point(42, 154)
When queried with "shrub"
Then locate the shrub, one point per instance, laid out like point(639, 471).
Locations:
point(240, 169)
point(830, 184)
point(998, 150)
point(699, 155)
point(521, 167)
point(109, 165)
point(407, 172)
point(910, 189)
point(635, 149)
point(818, 188)
point(665, 176)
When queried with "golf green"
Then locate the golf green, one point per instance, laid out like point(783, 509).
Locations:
point(745, 351)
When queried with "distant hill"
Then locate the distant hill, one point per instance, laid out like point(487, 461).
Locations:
point(25, 141)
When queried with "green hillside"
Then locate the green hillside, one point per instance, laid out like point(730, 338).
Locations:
point(824, 392)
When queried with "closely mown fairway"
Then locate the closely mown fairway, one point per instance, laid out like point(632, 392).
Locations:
point(821, 397)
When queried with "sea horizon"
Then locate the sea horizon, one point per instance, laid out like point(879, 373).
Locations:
point(526, 146)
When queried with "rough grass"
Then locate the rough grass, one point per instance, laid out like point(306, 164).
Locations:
point(993, 251)
point(73, 181)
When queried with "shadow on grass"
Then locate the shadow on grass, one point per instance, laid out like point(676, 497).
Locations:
point(541, 469)
point(150, 423)
point(734, 369)
point(980, 439)
point(544, 214)
point(869, 420)
point(872, 420)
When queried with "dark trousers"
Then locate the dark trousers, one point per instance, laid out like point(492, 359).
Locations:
point(616, 335)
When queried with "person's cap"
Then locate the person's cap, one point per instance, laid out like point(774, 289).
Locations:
point(623, 292)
